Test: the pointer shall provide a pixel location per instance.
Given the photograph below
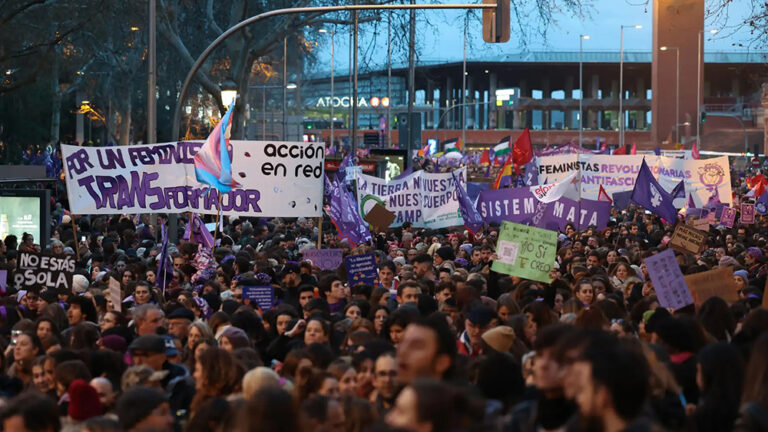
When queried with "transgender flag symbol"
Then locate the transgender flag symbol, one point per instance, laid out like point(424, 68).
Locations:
point(212, 164)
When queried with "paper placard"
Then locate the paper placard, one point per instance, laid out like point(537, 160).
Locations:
point(39, 271)
point(701, 224)
point(714, 283)
point(263, 296)
point(361, 269)
point(686, 239)
point(747, 213)
point(728, 217)
point(326, 259)
point(380, 217)
point(668, 280)
point(525, 251)
point(115, 296)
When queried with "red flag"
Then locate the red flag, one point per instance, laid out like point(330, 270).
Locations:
point(522, 152)
point(603, 195)
point(485, 159)
point(622, 150)
point(756, 191)
point(634, 148)
point(695, 150)
point(604, 146)
point(504, 177)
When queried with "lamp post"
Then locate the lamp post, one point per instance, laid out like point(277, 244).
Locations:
point(677, 90)
point(333, 33)
point(285, 81)
point(700, 65)
point(581, 88)
point(621, 82)
point(228, 93)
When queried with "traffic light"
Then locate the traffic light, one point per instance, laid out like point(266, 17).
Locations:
point(496, 25)
point(703, 117)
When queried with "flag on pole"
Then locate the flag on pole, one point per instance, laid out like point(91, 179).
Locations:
point(424, 151)
point(196, 232)
point(472, 219)
point(621, 150)
point(695, 150)
point(164, 262)
point(503, 147)
point(346, 218)
point(212, 163)
point(597, 144)
point(634, 148)
point(603, 195)
point(531, 173)
point(679, 190)
point(657, 151)
point(485, 159)
point(649, 194)
point(454, 145)
point(522, 151)
point(504, 178)
point(757, 191)
point(341, 172)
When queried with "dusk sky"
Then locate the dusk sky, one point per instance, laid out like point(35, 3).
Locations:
point(602, 22)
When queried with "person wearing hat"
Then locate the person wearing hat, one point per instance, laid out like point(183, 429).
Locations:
point(178, 323)
point(152, 350)
point(144, 408)
point(442, 254)
point(753, 260)
point(290, 278)
point(479, 320)
point(741, 278)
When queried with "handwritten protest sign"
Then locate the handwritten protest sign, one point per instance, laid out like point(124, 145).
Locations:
point(326, 259)
point(276, 179)
point(39, 271)
point(714, 283)
point(747, 213)
point(728, 217)
point(115, 295)
point(263, 296)
point(361, 269)
point(525, 251)
point(686, 239)
point(668, 280)
point(701, 224)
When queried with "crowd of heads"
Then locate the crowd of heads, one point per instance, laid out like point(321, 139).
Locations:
point(439, 342)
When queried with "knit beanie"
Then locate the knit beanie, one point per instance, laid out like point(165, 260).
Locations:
point(742, 274)
point(236, 337)
point(83, 401)
point(79, 284)
point(446, 253)
point(500, 338)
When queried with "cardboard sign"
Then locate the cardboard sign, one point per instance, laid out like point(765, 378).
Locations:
point(361, 269)
point(728, 217)
point(39, 271)
point(326, 259)
point(380, 217)
point(525, 251)
point(263, 296)
point(686, 239)
point(747, 213)
point(668, 280)
point(115, 295)
point(714, 283)
point(701, 224)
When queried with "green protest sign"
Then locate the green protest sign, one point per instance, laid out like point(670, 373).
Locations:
point(526, 252)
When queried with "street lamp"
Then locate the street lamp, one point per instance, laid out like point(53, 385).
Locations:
point(621, 82)
point(677, 90)
point(581, 88)
point(333, 33)
point(700, 66)
point(228, 93)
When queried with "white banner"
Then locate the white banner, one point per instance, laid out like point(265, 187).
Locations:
point(276, 179)
point(423, 199)
point(617, 173)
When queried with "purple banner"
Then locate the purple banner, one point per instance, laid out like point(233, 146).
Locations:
point(728, 217)
point(747, 213)
point(519, 205)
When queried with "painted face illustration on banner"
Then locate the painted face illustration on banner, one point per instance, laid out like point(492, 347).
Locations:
point(711, 175)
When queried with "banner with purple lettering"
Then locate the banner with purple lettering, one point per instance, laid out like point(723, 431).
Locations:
point(521, 206)
point(277, 179)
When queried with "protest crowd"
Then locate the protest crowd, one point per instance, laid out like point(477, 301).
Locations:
point(328, 324)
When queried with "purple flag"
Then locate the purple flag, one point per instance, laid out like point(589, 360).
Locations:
point(346, 218)
point(761, 205)
point(649, 194)
point(408, 171)
point(472, 219)
point(164, 263)
point(679, 190)
point(531, 175)
point(657, 151)
point(196, 232)
point(341, 173)
point(621, 200)
point(715, 204)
